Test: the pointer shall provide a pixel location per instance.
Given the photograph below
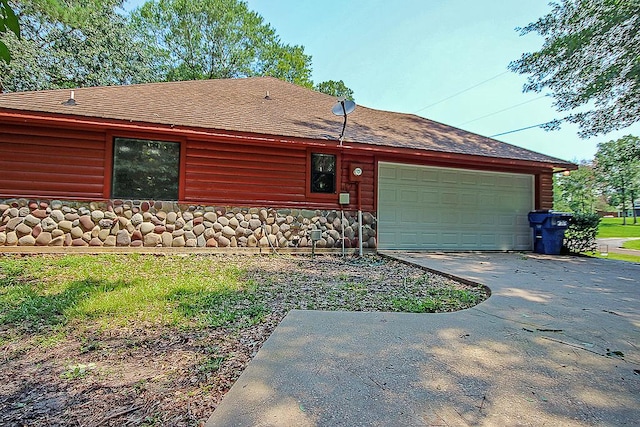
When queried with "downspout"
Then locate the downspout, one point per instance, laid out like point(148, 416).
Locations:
point(359, 219)
point(342, 225)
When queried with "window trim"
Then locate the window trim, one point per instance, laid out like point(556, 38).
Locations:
point(338, 178)
point(109, 160)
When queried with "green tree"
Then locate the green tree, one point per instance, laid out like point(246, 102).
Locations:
point(577, 191)
point(590, 60)
point(71, 12)
point(74, 43)
point(617, 166)
point(8, 22)
point(288, 63)
point(211, 39)
point(335, 88)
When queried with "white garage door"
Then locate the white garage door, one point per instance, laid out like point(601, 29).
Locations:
point(422, 207)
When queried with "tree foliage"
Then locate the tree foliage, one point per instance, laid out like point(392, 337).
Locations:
point(578, 191)
point(335, 88)
point(73, 44)
point(8, 22)
point(211, 39)
point(590, 60)
point(76, 43)
point(618, 168)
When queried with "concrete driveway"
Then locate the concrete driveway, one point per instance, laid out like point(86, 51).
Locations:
point(557, 343)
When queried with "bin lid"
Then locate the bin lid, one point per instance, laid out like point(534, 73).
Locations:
point(541, 216)
point(538, 217)
point(560, 214)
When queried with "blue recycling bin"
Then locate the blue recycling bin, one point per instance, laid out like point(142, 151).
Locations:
point(548, 230)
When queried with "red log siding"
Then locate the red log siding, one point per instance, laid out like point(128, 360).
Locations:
point(544, 191)
point(238, 174)
point(367, 184)
point(54, 162)
point(48, 162)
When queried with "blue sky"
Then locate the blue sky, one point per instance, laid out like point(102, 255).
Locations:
point(416, 56)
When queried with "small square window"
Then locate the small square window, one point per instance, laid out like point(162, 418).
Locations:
point(323, 173)
point(145, 169)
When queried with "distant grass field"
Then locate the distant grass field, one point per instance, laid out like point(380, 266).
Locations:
point(632, 244)
point(612, 227)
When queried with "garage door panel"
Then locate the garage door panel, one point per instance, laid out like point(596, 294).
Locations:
point(450, 239)
point(411, 216)
point(410, 197)
point(410, 238)
point(469, 239)
point(506, 182)
point(449, 177)
point(390, 215)
point(488, 199)
point(422, 207)
point(505, 239)
point(427, 241)
point(523, 241)
point(409, 175)
point(449, 199)
point(488, 240)
point(506, 220)
point(468, 199)
point(452, 218)
point(430, 217)
point(521, 182)
point(428, 196)
point(503, 202)
point(429, 175)
point(487, 181)
point(469, 218)
point(486, 219)
point(467, 178)
point(388, 195)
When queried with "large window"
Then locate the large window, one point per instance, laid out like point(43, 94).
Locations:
point(323, 173)
point(144, 169)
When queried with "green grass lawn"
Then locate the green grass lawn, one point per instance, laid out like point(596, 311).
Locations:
point(632, 244)
point(612, 227)
point(189, 291)
point(42, 291)
point(619, 257)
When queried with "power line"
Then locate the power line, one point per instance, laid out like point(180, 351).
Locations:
point(501, 111)
point(525, 128)
point(461, 92)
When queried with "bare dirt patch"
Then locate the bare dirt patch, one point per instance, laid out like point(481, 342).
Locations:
point(87, 374)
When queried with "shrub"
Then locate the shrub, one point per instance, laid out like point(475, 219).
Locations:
point(581, 234)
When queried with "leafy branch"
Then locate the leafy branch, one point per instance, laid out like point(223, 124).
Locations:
point(8, 22)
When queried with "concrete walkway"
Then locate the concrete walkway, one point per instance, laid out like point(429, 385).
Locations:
point(614, 245)
point(557, 343)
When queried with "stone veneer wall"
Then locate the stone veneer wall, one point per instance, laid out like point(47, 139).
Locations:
point(119, 223)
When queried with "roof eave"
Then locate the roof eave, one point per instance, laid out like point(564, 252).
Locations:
point(56, 119)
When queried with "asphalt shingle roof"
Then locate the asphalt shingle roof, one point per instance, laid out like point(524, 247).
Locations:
point(243, 105)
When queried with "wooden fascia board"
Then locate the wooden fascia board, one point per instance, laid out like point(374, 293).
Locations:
point(457, 158)
point(115, 126)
